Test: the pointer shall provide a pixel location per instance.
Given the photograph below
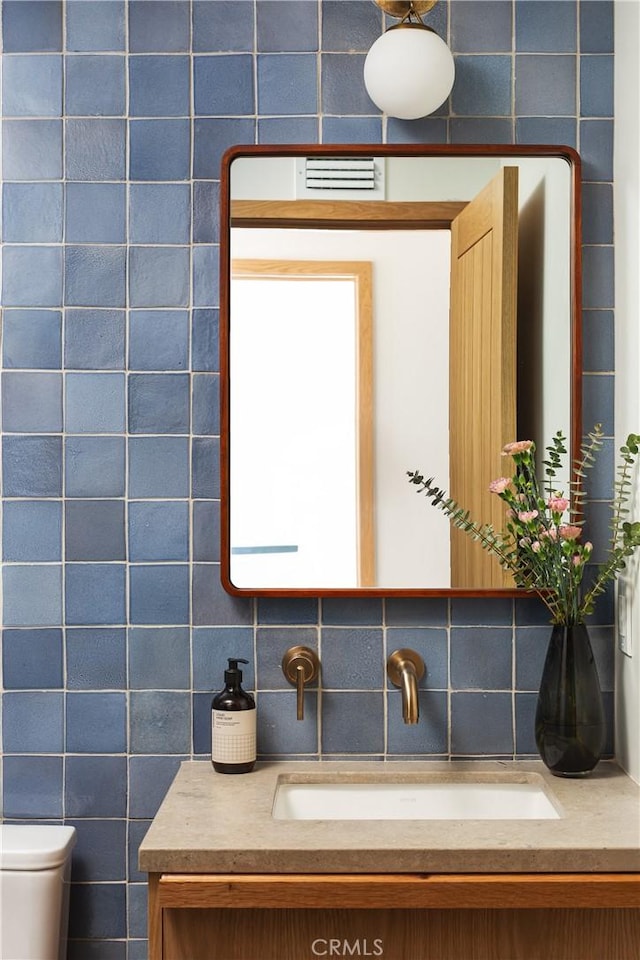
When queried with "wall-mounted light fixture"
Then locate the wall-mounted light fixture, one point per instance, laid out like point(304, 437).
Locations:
point(409, 70)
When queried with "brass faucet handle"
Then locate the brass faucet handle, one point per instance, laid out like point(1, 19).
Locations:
point(300, 666)
point(405, 669)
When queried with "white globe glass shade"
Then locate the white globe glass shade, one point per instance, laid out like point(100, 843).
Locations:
point(409, 72)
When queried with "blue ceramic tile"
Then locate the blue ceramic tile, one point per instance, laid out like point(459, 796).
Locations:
point(159, 403)
point(206, 531)
point(288, 130)
point(343, 90)
point(351, 129)
point(94, 530)
point(32, 338)
point(32, 722)
point(158, 531)
point(32, 531)
point(416, 612)
point(159, 86)
point(206, 404)
point(206, 275)
point(96, 723)
point(32, 212)
point(480, 612)
point(223, 85)
point(432, 646)
point(32, 595)
point(95, 149)
point(32, 276)
point(211, 604)
point(531, 612)
point(481, 723)
point(32, 402)
point(95, 403)
point(481, 658)
point(598, 277)
point(94, 339)
point(158, 340)
point(547, 130)
point(352, 722)
point(159, 658)
point(159, 213)
point(100, 852)
point(205, 464)
point(596, 149)
point(206, 212)
point(31, 25)
point(159, 467)
point(159, 594)
point(222, 26)
point(137, 831)
point(598, 402)
point(201, 723)
point(94, 276)
point(481, 27)
point(482, 87)
point(597, 213)
point(94, 86)
point(95, 25)
point(285, 25)
point(32, 787)
point(598, 340)
point(481, 130)
point(98, 911)
point(287, 83)
point(149, 780)
point(159, 276)
point(160, 149)
point(363, 611)
point(212, 647)
point(204, 340)
point(602, 641)
point(290, 610)
point(95, 213)
point(271, 645)
point(429, 735)
point(32, 466)
point(159, 25)
point(95, 594)
point(160, 722)
point(96, 659)
point(525, 723)
point(95, 786)
point(350, 25)
point(545, 85)
point(352, 659)
point(549, 27)
point(137, 906)
point(32, 149)
point(596, 27)
point(596, 86)
point(101, 949)
point(212, 138)
point(32, 86)
point(94, 466)
point(31, 658)
point(278, 730)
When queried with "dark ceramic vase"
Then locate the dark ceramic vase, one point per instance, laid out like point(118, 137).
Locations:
point(570, 724)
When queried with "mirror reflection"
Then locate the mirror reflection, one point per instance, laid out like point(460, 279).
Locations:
point(385, 314)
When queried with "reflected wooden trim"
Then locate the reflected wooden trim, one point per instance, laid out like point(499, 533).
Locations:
point(343, 214)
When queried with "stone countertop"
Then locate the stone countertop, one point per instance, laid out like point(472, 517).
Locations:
point(212, 823)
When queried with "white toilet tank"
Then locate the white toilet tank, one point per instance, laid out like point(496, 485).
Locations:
point(35, 867)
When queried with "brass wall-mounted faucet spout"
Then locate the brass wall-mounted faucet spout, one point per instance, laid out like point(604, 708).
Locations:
point(405, 669)
point(300, 666)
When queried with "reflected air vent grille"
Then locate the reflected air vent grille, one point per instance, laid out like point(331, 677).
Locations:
point(347, 178)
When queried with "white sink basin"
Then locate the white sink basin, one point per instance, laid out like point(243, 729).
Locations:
point(414, 800)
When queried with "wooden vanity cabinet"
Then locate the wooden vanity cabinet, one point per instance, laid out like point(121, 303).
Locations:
point(580, 916)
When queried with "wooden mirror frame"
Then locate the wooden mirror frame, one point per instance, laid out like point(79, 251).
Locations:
point(383, 150)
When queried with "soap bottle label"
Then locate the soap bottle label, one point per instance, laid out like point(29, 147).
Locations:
point(233, 736)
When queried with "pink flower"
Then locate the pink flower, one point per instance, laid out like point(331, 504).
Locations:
point(524, 542)
point(576, 560)
point(557, 504)
point(549, 534)
point(569, 532)
point(499, 485)
point(536, 546)
point(516, 446)
point(527, 515)
point(588, 547)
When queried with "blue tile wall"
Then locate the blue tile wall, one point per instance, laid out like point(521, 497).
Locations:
point(116, 629)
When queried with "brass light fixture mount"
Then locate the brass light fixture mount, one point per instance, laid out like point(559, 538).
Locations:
point(404, 9)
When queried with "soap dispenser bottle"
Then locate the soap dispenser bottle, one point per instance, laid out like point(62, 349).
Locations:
point(233, 724)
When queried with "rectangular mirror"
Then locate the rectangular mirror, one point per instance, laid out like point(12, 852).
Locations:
point(386, 309)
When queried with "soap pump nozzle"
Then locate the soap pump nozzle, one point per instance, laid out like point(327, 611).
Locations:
point(233, 674)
